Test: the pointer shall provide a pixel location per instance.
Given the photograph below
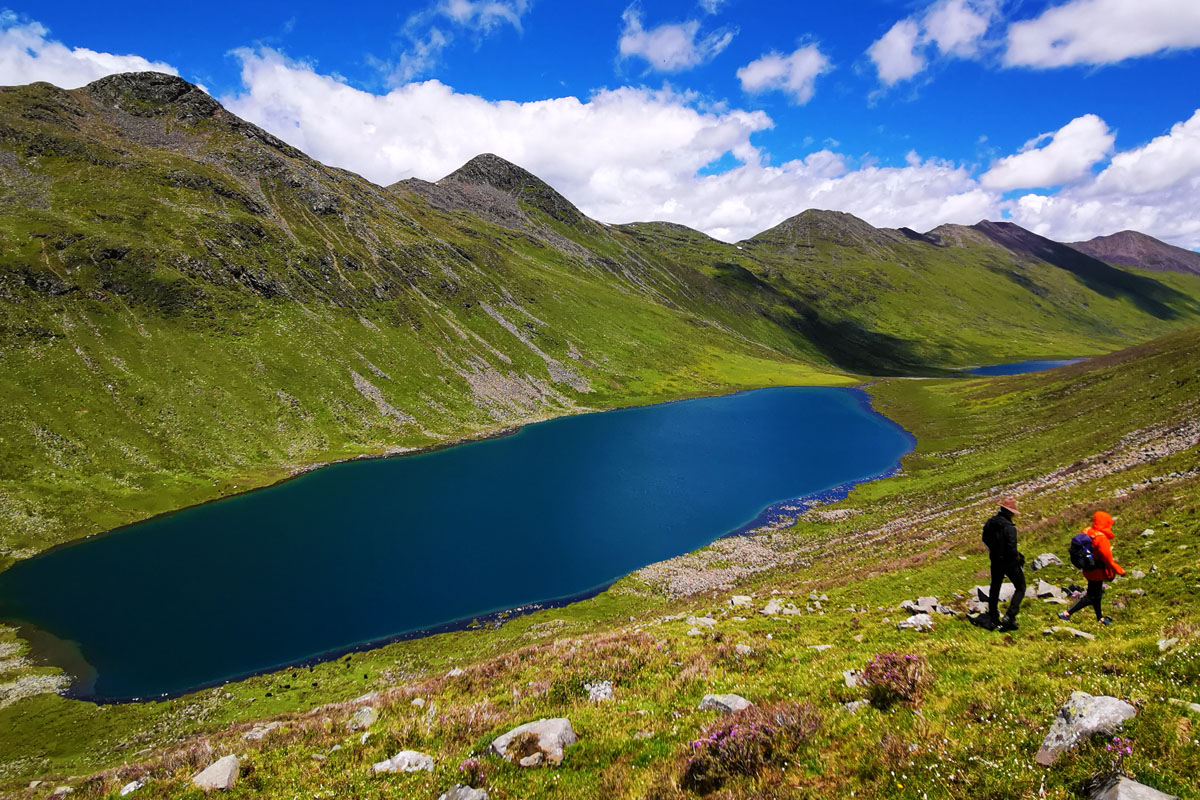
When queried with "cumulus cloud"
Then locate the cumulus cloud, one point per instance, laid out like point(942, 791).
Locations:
point(429, 32)
point(795, 74)
point(1067, 155)
point(954, 28)
point(28, 55)
point(896, 55)
point(1102, 32)
point(1151, 188)
point(957, 26)
point(635, 154)
point(670, 47)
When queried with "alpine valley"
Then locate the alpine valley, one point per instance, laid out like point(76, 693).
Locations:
point(190, 308)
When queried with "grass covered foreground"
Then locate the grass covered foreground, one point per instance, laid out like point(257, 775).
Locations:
point(1120, 432)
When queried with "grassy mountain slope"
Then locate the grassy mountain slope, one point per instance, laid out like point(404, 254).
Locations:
point(1118, 432)
point(191, 307)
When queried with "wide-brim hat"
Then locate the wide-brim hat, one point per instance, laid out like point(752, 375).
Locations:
point(1010, 503)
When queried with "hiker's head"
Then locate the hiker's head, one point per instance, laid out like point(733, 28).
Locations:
point(1009, 504)
point(1103, 522)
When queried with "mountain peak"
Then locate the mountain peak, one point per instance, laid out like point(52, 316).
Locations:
point(1136, 249)
point(815, 223)
point(489, 169)
point(153, 94)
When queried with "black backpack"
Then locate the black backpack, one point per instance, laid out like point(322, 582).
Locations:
point(1081, 552)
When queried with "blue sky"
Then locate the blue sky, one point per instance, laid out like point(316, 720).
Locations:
point(727, 115)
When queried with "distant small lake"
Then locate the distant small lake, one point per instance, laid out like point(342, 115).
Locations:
point(362, 551)
point(1019, 367)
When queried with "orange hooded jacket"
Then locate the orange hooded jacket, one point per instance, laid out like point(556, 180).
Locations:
point(1102, 534)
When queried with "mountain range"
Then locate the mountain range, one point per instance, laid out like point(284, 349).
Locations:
point(190, 306)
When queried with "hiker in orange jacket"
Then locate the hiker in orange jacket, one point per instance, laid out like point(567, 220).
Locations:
point(1106, 569)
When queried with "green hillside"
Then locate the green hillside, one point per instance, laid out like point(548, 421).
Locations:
point(189, 307)
point(1119, 432)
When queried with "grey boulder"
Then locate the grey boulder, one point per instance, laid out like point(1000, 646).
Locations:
point(221, 774)
point(1128, 789)
point(1082, 716)
point(551, 738)
point(461, 792)
point(1045, 560)
point(725, 703)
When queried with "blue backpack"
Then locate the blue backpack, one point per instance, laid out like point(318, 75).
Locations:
point(1081, 552)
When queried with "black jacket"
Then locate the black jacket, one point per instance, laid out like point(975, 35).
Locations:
point(1000, 536)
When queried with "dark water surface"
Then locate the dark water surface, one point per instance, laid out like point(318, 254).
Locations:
point(1020, 367)
point(365, 550)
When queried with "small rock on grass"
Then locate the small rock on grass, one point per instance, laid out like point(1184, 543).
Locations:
point(601, 690)
point(404, 761)
point(460, 792)
point(853, 678)
point(553, 736)
point(1082, 716)
point(1124, 788)
point(855, 705)
point(1045, 560)
point(1078, 634)
point(725, 703)
point(363, 718)
point(131, 787)
point(917, 622)
point(743, 649)
point(1166, 644)
point(221, 774)
point(741, 600)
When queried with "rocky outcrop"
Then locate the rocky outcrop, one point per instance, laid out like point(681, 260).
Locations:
point(222, 774)
point(1083, 715)
point(535, 743)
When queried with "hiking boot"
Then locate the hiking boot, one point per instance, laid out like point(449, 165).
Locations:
point(1007, 624)
point(1064, 616)
point(983, 621)
point(1106, 621)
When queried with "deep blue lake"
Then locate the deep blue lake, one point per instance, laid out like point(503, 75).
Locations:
point(1020, 367)
point(365, 550)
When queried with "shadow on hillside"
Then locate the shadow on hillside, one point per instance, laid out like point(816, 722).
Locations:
point(1148, 294)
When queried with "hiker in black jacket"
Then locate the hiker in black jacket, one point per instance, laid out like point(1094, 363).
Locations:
point(1000, 536)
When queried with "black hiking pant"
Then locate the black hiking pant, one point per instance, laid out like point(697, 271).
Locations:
point(1095, 591)
point(1000, 571)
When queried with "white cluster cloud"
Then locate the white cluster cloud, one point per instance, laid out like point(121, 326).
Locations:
point(952, 27)
point(796, 74)
point(1152, 188)
point(1067, 155)
point(27, 55)
point(896, 53)
point(670, 47)
point(1102, 32)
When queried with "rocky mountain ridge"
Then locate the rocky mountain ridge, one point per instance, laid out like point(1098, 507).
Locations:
point(1134, 249)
